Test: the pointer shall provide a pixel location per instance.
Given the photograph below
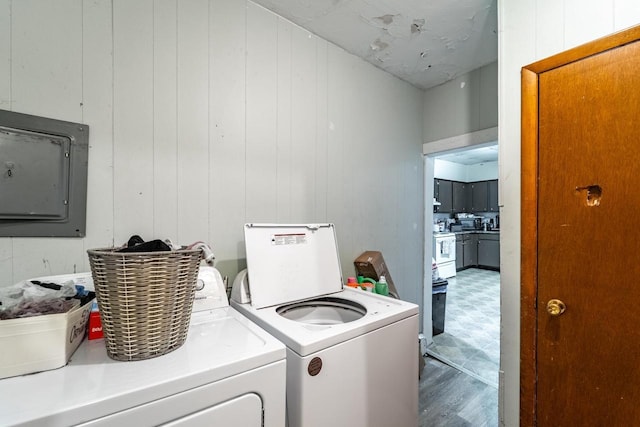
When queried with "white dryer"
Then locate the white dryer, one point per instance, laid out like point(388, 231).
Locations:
point(352, 356)
point(229, 372)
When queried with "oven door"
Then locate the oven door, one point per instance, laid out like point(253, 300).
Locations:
point(444, 249)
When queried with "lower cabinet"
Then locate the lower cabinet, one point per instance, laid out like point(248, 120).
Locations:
point(459, 252)
point(470, 244)
point(466, 251)
point(477, 250)
point(489, 250)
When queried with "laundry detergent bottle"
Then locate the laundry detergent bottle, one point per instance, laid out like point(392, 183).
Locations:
point(367, 284)
point(382, 288)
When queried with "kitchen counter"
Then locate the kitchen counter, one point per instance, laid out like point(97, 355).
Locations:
point(476, 232)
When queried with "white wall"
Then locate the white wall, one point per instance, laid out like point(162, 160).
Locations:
point(482, 171)
point(452, 171)
point(444, 169)
point(463, 105)
point(205, 115)
point(530, 31)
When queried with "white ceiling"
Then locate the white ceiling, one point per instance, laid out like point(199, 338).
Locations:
point(472, 156)
point(425, 42)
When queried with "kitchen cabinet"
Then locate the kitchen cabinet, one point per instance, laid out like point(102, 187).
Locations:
point(477, 249)
point(461, 197)
point(479, 196)
point(489, 250)
point(470, 256)
point(442, 191)
point(456, 197)
point(492, 192)
point(459, 252)
point(466, 250)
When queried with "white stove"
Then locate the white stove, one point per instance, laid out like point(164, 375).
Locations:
point(444, 252)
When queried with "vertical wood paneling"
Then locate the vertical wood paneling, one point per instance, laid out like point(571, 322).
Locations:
point(363, 192)
point(472, 94)
point(303, 124)
point(43, 257)
point(285, 127)
point(165, 120)
point(193, 115)
point(227, 128)
point(549, 29)
point(5, 54)
point(261, 115)
point(411, 263)
point(46, 80)
point(382, 205)
point(133, 119)
point(284, 161)
point(583, 23)
point(488, 96)
point(338, 86)
point(6, 245)
point(322, 133)
point(6, 262)
point(460, 105)
point(626, 14)
point(517, 47)
point(47, 58)
point(408, 257)
point(97, 83)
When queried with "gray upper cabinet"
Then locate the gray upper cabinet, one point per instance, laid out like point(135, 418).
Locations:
point(479, 196)
point(461, 197)
point(493, 195)
point(456, 197)
point(443, 192)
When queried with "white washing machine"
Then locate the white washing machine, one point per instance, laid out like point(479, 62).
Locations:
point(352, 356)
point(229, 372)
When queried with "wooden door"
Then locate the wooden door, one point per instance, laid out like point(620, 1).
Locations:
point(580, 239)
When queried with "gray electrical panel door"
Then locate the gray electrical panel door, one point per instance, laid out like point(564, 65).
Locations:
point(35, 179)
point(43, 176)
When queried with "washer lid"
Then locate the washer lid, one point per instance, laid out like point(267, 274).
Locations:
point(291, 262)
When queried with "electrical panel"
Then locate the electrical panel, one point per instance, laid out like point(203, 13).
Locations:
point(43, 176)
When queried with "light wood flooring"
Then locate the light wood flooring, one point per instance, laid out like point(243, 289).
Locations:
point(449, 397)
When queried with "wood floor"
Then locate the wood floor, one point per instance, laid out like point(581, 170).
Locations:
point(451, 398)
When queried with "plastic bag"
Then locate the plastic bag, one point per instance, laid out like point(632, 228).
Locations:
point(26, 299)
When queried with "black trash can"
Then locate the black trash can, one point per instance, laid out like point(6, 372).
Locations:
point(438, 304)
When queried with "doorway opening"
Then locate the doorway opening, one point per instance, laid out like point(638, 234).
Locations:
point(462, 232)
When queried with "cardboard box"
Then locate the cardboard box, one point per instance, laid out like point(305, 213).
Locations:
point(371, 264)
point(40, 343)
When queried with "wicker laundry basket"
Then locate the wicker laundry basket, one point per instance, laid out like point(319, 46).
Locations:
point(145, 299)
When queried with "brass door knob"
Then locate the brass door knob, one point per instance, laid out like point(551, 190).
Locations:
point(555, 307)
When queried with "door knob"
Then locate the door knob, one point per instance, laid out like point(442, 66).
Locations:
point(555, 307)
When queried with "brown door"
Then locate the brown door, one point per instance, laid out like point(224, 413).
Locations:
point(580, 347)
